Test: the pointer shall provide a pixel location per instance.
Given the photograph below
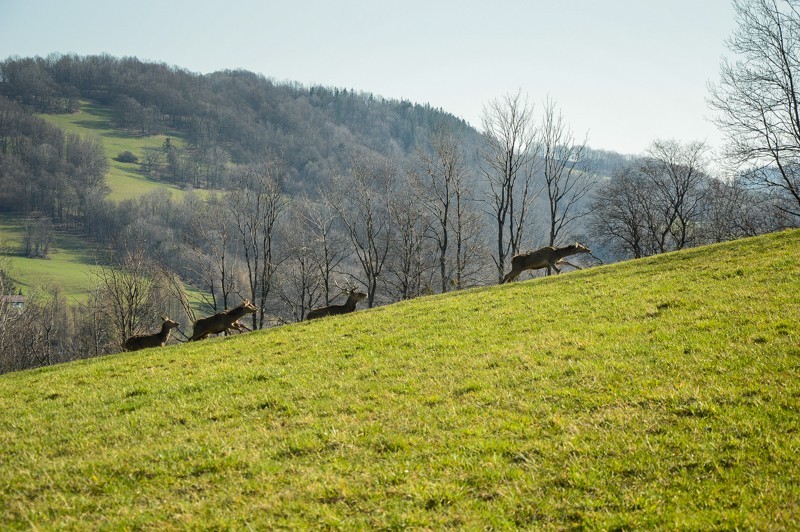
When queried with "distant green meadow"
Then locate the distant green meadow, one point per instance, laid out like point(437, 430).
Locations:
point(70, 263)
point(123, 179)
point(658, 393)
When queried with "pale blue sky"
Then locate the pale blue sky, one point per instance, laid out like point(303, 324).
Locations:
point(626, 71)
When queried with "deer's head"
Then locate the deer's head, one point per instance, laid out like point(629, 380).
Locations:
point(352, 291)
point(249, 307)
point(168, 323)
point(354, 294)
point(581, 248)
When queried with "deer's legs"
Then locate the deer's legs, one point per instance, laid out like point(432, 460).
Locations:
point(562, 261)
point(513, 274)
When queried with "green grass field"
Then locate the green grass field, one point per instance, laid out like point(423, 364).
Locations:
point(658, 393)
point(123, 179)
point(70, 265)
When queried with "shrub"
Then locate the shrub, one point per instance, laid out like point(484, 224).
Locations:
point(127, 157)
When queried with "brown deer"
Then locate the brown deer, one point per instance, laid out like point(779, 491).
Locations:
point(141, 341)
point(542, 258)
point(353, 297)
point(222, 321)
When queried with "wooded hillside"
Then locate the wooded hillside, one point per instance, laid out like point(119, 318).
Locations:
point(235, 116)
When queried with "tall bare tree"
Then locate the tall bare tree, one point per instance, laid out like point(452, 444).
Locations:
point(508, 162)
point(410, 264)
point(567, 170)
point(318, 247)
point(469, 247)
point(757, 97)
point(618, 213)
point(95, 334)
point(301, 284)
point(211, 254)
point(676, 172)
point(331, 242)
point(442, 190)
point(127, 287)
point(257, 203)
point(362, 199)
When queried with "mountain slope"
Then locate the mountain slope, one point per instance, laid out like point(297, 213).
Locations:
point(662, 392)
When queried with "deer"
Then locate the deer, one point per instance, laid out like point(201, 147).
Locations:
point(222, 321)
point(141, 341)
point(353, 297)
point(548, 256)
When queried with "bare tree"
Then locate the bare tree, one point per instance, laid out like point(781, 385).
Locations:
point(410, 259)
point(362, 199)
point(757, 97)
point(151, 162)
point(735, 210)
point(127, 287)
point(330, 243)
point(618, 213)
point(211, 258)
point(8, 312)
point(35, 334)
point(656, 203)
point(441, 185)
point(508, 159)
point(676, 173)
point(469, 248)
point(38, 235)
point(94, 328)
point(567, 170)
point(300, 286)
point(256, 204)
point(306, 273)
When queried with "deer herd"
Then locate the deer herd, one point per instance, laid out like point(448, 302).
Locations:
point(223, 322)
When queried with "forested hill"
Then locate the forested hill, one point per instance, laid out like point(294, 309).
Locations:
point(232, 116)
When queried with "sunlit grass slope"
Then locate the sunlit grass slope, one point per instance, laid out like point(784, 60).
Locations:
point(659, 393)
point(123, 179)
point(70, 264)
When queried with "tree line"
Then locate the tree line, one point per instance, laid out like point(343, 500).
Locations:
point(431, 206)
point(398, 231)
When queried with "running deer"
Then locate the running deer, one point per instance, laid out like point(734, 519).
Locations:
point(141, 341)
point(222, 321)
point(353, 297)
point(542, 258)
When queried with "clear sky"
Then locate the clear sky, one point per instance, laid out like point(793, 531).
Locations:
point(625, 71)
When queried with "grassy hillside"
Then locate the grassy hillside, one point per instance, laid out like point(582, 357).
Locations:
point(72, 260)
point(70, 263)
point(123, 179)
point(662, 392)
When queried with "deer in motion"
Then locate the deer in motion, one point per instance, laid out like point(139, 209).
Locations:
point(542, 258)
point(222, 321)
point(141, 341)
point(353, 297)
